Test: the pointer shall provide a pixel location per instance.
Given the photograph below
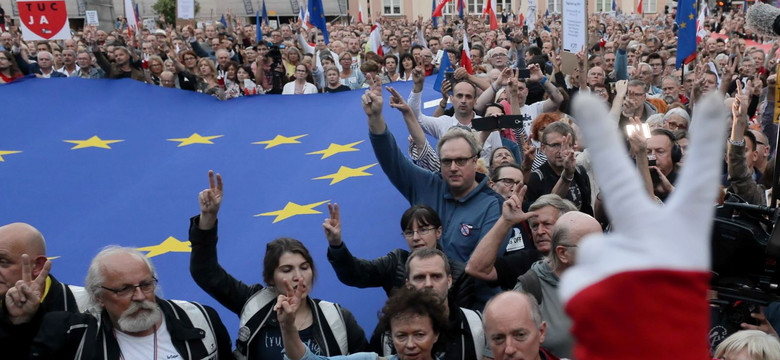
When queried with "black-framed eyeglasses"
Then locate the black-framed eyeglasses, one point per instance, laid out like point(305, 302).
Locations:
point(458, 161)
point(509, 182)
point(424, 231)
point(554, 146)
point(146, 287)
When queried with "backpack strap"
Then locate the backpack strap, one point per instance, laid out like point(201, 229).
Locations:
point(80, 294)
point(338, 327)
point(474, 320)
point(200, 320)
point(530, 283)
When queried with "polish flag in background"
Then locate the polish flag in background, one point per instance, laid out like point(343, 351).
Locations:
point(437, 11)
point(465, 56)
point(490, 10)
point(375, 39)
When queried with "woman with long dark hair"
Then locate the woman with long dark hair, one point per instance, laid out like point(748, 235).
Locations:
point(327, 328)
point(9, 70)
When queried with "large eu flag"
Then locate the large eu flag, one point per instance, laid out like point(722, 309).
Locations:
point(98, 162)
point(686, 31)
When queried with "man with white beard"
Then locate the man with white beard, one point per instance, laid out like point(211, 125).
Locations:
point(127, 320)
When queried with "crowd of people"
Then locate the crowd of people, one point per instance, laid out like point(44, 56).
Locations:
point(497, 215)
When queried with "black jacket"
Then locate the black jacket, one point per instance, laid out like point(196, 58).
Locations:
point(389, 272)
point(543, 181)
point(233, 294)
point(66, 335)
point(28, 68)
point(15, 340)
point(456, 343)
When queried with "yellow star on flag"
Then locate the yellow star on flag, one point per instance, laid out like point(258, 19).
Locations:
point(292, 209)
point(346, 173)
point(94, 141)
point(690, 16)
point(334, 149)
point(682, 24)
point(171, 244)
point(196, 138)
point(280, 140)
point(7, 152)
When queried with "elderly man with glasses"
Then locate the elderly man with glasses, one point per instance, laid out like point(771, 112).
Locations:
point(127, 320)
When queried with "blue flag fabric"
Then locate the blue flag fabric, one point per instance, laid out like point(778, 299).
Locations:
point(317, 17)
point(265, 14)
point(259, 32)
point(614, 5)
point(443, 68)
point(686, 33)
point(435, 19)
point(223, 21)
point(107, 173)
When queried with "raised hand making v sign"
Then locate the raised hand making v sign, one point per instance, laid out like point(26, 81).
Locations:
point(210, 200)
point(22, 300)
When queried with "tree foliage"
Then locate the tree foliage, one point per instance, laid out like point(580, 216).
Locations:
point(168, 9)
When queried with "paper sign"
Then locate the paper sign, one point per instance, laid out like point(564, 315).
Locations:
point(150, 24)
point(44, 20)
point(92, 17)
point(574, 25)
point(185, 9)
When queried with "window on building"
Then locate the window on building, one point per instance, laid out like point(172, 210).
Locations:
point(603, 5)
point(650, 6)
point(555, 6)
point(504, 5)
point(391, 7)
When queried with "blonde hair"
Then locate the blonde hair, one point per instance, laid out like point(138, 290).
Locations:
point(759, 345)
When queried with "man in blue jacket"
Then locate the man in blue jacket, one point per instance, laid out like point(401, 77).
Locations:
point(461, 196)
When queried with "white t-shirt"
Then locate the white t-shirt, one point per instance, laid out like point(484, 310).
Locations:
point(142, 347)
point(529, 113)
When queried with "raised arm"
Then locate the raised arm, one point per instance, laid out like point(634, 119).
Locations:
point(204, 267)
point(482, 260)
point(561, 187)
point(740, 175)
point(488, 96)
point(397, 102)
point(555, 98)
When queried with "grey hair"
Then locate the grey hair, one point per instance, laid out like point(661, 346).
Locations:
point(95, 278)
point(555, 201)
point(759, 345)
point(656, 121)
point(536, 311)
point(456, 132)
point(679, 112)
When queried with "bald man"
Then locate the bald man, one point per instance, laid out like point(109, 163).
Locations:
point(22, 263)
point(762, 150)
point(542, 280)
point(514, 327)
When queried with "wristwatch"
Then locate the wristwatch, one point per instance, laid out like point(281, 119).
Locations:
point(737, 143)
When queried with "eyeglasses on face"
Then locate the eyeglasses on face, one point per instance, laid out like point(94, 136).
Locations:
point(146, 287)
point(458, 161)
point(554, 146)
point(509, 182)
point(424, 231)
